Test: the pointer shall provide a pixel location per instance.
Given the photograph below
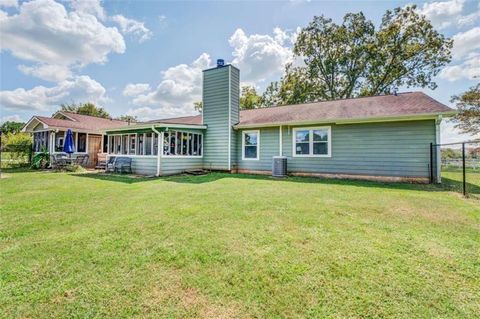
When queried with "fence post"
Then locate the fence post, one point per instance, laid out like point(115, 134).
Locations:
point(431, 163)
point(463, 167)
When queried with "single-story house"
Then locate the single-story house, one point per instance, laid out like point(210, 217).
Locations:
point(49, 133)
point(384, 137)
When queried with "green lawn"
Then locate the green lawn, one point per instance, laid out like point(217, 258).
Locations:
point(221, 246)
point(452, 179)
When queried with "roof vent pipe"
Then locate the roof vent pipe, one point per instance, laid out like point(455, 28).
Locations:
point(220, 63)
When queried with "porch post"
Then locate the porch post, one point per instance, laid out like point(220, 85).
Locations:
point(51, 146)
point(159, 140)
point(280, 138)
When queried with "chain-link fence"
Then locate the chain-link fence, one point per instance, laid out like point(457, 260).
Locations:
point(457, 166)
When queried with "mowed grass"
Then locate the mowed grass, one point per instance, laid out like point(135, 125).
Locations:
point(452, 179)
point(234, 246)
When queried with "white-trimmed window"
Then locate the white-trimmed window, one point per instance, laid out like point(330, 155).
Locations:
point(312, 142)
point(176, 143)
point(59, 141)
point(250, 145)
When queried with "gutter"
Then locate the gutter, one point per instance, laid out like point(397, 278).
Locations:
point(158, 150)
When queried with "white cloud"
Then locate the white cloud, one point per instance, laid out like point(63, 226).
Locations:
point(41, 98)
point(135, 89)
point(449, 134)
point(466, 56)
point(93, 7)
point(48, 72)
point(466, 42)
point(162, 21)
point(468, 69)
point(45, 32)
point(10, 118)
point(469, 19)
point(445, 14)
point(441, 13)
point(179, 88)
point(9, 3)
point(261, 56)
point(133, 27)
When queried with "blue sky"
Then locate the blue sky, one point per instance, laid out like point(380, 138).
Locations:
point(145, 58)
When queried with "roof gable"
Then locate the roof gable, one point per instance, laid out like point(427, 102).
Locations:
point(66, 120)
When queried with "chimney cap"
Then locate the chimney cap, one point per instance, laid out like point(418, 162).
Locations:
point(220, 62)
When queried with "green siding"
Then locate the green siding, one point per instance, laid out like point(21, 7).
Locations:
point(141, 165)
point(235, 112)
point(218, 92)
point(144, 165)
point(177, 165)
point(379, 149)
point(269, 147)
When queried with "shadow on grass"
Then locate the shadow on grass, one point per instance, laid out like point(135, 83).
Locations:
point(457, 186)
point(127, 179)
point(20, 169)
point(297, 179)
point(448, 184)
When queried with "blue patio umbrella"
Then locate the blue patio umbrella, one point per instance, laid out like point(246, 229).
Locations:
point(68, 143)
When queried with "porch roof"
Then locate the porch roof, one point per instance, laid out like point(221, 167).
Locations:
point(149, 126)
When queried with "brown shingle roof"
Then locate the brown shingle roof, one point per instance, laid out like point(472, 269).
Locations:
point(403, 104)
point(192, 120)
point(81, 122)
point(383, 106)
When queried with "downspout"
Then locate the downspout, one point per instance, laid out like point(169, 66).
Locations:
point(229, 119)
point(158, 149)
point(280, 137)
point(438, 149)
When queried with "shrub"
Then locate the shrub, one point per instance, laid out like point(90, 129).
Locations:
point(41, 159)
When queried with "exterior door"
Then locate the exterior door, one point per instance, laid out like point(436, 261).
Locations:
point(94, 146)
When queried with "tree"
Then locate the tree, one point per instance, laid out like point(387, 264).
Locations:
point(11, 127)
point(468, 105)
point(198, 106)
point(450, 153)
point(353, 59)
point(271, 96)
point(249, 99)
point(85, 109)
point(128, 118)
point(18, 146)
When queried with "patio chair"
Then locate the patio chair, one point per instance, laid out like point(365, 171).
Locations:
point(110, 165)
point(101, 161)
point(81, 160)
point(57, 161)
point(123, 165)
